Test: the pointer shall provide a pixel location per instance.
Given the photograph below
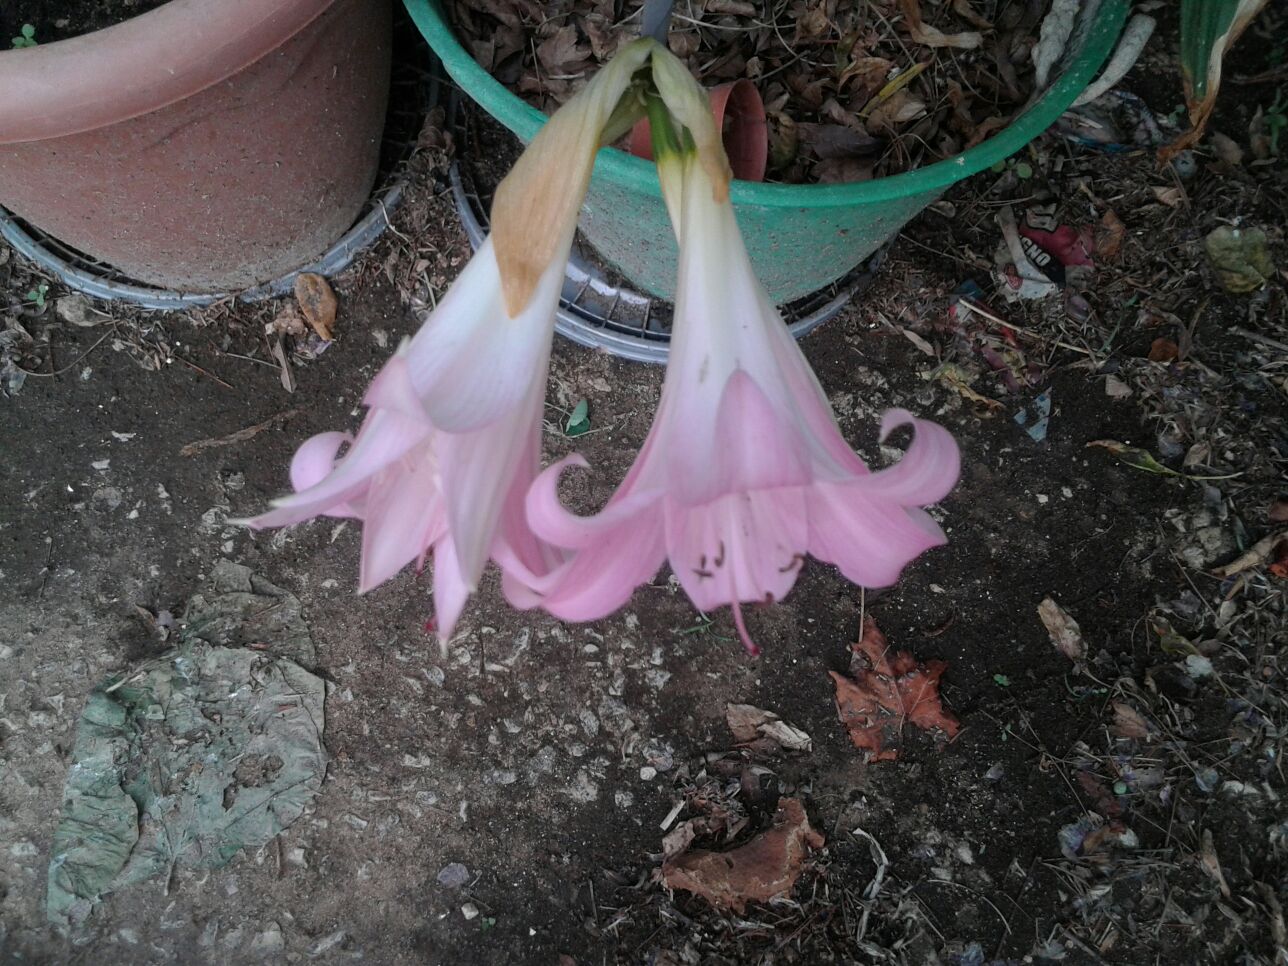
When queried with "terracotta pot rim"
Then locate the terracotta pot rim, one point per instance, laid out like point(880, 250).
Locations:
point(140, 65)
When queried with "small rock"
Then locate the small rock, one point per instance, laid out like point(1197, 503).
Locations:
point(269, 942)
point(453, 875)
point(107, 498)
point(328, 943)
point(582, 790)
point(470, 911)
point(76, 309)
point(1197, 666)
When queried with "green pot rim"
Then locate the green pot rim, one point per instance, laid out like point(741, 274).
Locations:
point(525, 120)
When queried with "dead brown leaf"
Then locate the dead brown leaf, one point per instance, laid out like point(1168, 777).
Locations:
point(1171, 196)
point(561, 54)
point(886, 690)
point(765, 867)
point(1107, 803)
point(1259, 553)
point(1278, 512)
point(963, 9)
point(1128, 722)
point(1227, 149)
point(1211, 864)
point(1164, 350)
point(868, 74)
point(812, 24)
point(1064, 630)
point(1279, 567)
point(899, 108)
point(1109, 237)
point(286, 375)
point(986, 128)
point(317, 302)
point(923, 33)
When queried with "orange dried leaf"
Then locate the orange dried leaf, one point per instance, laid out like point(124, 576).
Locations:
point(888, 689)
point(1164, 350)
point(317, 302)
point(765, 867)
point(1110, 236)
point(1280, 566)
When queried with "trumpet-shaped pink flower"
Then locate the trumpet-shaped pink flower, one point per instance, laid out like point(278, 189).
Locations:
point(744, 471)
point(451, 442)
point(448, 449)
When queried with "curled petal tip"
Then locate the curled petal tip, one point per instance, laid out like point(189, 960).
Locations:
point(892, 419)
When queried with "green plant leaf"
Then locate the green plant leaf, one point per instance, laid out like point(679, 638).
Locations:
point(578, 420)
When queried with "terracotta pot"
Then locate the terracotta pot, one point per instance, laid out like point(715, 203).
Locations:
point(206, 145)
point(740, 113)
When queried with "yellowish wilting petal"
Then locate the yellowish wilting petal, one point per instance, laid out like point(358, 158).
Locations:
point(689, 104)
point(534, 212)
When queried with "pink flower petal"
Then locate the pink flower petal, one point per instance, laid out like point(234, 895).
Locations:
point(477, 471)
point(870, 540)
point(451, 589)
point(928, 471)
point(552, 522)
point(315, 459)
point(601, 578)
point(758, 445)
point(404, 517)
point(745, 546)
point(471, 362)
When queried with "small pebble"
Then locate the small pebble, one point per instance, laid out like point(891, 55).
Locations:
point(453, 875)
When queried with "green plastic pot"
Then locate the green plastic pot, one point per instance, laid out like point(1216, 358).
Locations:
point(800, 237)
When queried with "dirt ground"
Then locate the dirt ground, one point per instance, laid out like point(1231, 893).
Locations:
point(1123, 807)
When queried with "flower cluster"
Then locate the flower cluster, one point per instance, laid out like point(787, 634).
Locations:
point(743, 474)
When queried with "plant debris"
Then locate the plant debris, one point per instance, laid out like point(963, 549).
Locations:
point(241, 435)
point(852, 91)
point(1065, 633)
point(764, 731)
point(885, 690)
point(318, 303)
point(194, 755)
point(1240, 257)
point(763, 868)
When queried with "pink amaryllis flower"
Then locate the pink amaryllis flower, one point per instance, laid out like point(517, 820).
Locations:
point(451, 441)
point(744, 471)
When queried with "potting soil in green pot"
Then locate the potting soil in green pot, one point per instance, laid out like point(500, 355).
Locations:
point(800, 237)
